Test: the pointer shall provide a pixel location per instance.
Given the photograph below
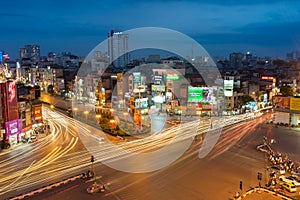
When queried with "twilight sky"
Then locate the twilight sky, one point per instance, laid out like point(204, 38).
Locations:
point(263, 27)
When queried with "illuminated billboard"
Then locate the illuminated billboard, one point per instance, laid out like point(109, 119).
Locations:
point(281, 102)
point(136, 77)
point(172, 77)
point(13, 127)
point(1, 56)
point(228, 88)
point(12, 103)
point(295, 104)
point(209, 94)
point(158, 88)
point(195, 94)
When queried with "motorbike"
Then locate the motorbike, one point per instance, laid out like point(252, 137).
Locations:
point(88, 174)
point(95, 188)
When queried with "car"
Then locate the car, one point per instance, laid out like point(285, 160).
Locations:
point(33, 138)
point(289, 179)
point(289, 187)
point(100, 139)
point(278, 169)
point(296, 179)
point(120, 138)
point(296, 173)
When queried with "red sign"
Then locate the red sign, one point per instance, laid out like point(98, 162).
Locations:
point(27, 128)
point(281, 102)
point(12, 103)
point(267, 78)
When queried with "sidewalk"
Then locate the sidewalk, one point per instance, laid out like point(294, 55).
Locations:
point(261, 196)
point(21, 144)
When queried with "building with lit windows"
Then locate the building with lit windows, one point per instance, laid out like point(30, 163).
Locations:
point(118, 48)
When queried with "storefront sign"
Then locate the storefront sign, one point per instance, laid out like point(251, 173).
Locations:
point(13, 127)
point(295, 104)
point(281, 102)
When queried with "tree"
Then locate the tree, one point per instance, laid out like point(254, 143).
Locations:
point(51, 89)
point(247, 99)
point(286, 91)
point(298, 92)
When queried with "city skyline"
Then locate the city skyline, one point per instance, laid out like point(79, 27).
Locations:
point(265, 28)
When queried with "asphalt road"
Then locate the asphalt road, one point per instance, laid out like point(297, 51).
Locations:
point(216, 176)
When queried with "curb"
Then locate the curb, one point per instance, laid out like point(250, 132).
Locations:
point(45, 188)
point(256, 189)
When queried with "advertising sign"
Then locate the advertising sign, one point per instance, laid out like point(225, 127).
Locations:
point(172, 77)
point(136, 77)
point(159, 99)
point(295, 104)
point(158, 88)
point(12, 101)
point(13, 127)
point(281, 102)
point(195, 94)
point(228, 88)
point(209, 94)
point(1, 56)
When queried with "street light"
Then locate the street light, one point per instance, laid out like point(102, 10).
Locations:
point(98, 118)
point(52, 106)
point(112, 124)
point(125, 118)
point(75, 110)
point(111, 112)
point(86, 114)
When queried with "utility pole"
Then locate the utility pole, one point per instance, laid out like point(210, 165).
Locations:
point(241, 187)
point(259, 178)
point(92, 166)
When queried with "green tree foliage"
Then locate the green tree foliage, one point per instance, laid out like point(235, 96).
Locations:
point(247, 99)
point(286, 91)
point(51, 89)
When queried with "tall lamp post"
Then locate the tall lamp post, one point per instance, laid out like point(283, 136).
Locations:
point(112, 125)
point(98, 117)
point(139, 118)
point(125, 118)
point(75, 111)
point(86, 113)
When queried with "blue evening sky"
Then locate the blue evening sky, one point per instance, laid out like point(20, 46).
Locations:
point(263, 27)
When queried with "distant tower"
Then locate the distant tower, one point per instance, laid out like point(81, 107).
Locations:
point(248, 56)
point(118, 48)
point(236, 59)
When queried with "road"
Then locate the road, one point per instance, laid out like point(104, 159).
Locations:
point(215, 176)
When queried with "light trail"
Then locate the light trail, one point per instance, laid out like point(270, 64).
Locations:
point(55, 159)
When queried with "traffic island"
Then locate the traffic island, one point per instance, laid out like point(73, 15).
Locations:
point(263, 192)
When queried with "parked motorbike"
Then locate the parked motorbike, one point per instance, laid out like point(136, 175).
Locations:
point(95, 188)
point(88, 174)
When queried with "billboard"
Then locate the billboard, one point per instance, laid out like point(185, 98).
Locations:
point(136, 77)
point(237, 84)
point(195, 94)
point(12, 103)
point(13, 127)
point(173, 77)
point(295, 104)
point(228, 88)
point(281, 102)
point(209, 94)
point(1, 56)
point(158, 88)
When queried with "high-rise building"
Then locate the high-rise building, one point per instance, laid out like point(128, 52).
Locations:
point(118, 48)
point(293, 56)
point(10, 125)
point(236, 59)
point(29, 55)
